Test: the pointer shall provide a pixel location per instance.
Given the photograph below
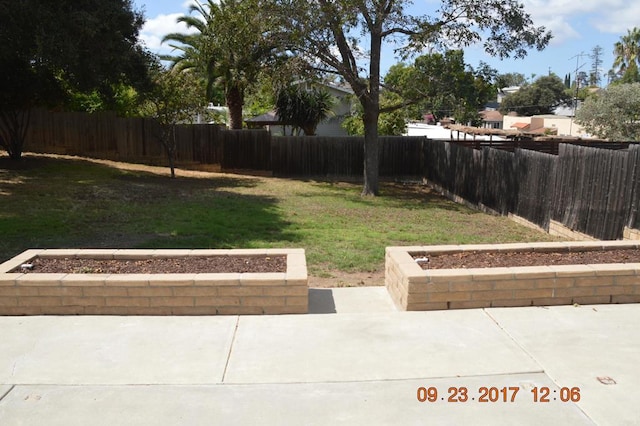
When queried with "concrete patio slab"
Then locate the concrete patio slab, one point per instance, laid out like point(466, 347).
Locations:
point(595, 348)
point(351, 368)
point(114, 350)
point(350, 403)
point(350, 300)
point(353, 347)
point(4, 390)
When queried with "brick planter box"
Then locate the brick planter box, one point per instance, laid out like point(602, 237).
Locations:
point(415, 289)
point(154, 294)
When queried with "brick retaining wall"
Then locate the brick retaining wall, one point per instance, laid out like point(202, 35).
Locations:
point(415, 289)
point(154, 294)
point(631, 234)
point(558, 229)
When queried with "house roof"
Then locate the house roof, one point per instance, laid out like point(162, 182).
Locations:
point(543, 131)
point(489, 115)
point(521, 126)
point(342, 88)
point(268, 118)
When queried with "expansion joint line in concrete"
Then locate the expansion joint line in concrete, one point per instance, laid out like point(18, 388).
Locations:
point(513, 339)
point(233, 339)
point(7, 392)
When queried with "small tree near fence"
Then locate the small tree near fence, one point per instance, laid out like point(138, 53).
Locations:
point(177, 97)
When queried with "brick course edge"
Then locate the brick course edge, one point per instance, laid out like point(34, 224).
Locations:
point(154, 294)
point(415, 289)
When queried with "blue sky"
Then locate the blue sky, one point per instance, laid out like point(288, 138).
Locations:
point(578, 26)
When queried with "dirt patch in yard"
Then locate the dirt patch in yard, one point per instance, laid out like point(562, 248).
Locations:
point(187, 264)
point(507, 259)
point(346, 279)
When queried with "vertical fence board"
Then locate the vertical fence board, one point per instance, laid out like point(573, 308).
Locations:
point(633, 191)
point(535, 172)
point(590, 189)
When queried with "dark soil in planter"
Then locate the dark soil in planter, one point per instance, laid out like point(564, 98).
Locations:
point(507, 259)
point(186, 264)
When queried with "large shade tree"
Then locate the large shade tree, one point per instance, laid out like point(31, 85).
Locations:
point(330, 32)
point(439, 84)
point(540, 97)
point(52, 48)
point(228, 48)
point(613, 113)
point(443, 85)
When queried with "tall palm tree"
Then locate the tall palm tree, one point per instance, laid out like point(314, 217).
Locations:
point(228, 48)
point(627, 50)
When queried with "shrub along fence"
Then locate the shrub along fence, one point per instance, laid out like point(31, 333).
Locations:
point(591, 190)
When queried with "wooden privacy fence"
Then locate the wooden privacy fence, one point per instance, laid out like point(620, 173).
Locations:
point(546, 145)
point(106, 136)
point(591, 190)
point(344, 156)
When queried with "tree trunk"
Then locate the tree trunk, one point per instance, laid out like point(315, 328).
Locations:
point(371, 151)
point(371, 106)
point(13, 131)
point(235, 101)
point(168, 140)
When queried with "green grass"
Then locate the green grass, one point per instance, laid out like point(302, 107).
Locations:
point(63, 203)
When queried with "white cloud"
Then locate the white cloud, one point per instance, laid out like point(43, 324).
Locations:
point(618, 21)
point(156, 28)
point(568, 18)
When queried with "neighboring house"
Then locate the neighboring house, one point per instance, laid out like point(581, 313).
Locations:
point(555, 124)
point(491, 119)
point(332, 126)
point(268, 120)
point(437, 131)
point(432, 131)
point(506, 91)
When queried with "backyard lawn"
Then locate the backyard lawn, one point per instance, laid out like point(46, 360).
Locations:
point(67, 203)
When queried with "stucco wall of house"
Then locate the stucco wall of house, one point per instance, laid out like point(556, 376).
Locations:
point(566, 125)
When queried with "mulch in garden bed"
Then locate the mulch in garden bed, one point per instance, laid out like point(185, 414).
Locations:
point(175, 265)
point(474, 259)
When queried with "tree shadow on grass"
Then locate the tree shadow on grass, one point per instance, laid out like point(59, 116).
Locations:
point(61, 203)
point(223, 219)
point(406, 195)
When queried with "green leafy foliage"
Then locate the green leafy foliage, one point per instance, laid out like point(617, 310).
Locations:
point(512, 79)
point(229, 49)
point(176, 97)
point(540, 97)
point(51, 49)
point(324, 32)
point(627, 53)
point(613, 114)
point(439, 84)
point(391, 123)
point(303, 109)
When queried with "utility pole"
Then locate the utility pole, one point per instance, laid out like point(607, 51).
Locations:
point(578, 57)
